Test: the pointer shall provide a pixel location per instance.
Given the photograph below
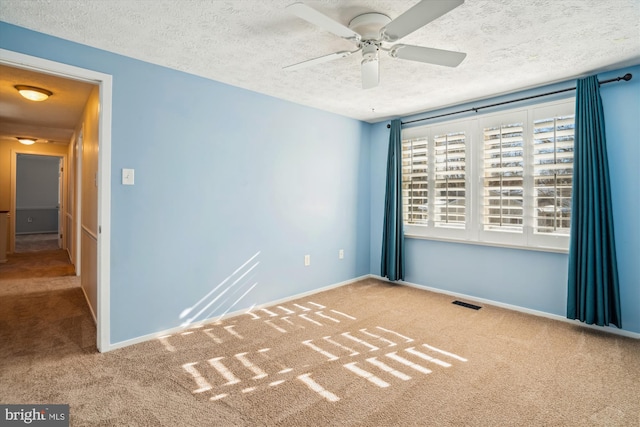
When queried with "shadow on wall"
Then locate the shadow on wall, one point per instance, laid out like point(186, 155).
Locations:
point(242, 280)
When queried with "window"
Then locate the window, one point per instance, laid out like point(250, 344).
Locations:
point(449, 180)
point(415, 191)
point(502, 179)
point(553, 172)
point(445, 155)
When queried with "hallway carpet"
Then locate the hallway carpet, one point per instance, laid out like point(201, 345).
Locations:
point(36, 242)
point(51, 263)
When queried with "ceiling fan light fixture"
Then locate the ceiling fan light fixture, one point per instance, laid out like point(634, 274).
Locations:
point(370, 73)
point(26, 141)
point(33, 93)
point(369, 65)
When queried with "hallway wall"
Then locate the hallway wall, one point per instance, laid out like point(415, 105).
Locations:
point(37, 187)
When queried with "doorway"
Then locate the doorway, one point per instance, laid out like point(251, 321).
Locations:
point(38, 206)
point(97, 258)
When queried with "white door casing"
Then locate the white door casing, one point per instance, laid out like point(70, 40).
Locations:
point(105, 82)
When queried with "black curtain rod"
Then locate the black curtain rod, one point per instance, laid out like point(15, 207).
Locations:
point(626, 77)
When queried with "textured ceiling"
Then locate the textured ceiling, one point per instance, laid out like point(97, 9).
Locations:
point(510, 45)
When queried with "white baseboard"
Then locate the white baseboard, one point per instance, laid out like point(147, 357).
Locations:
point(512, 307)
point(204, 322)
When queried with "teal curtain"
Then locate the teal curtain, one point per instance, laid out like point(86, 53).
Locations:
point(593, 292)
point(393, 234)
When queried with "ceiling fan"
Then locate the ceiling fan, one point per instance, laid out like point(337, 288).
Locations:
point(372, 31)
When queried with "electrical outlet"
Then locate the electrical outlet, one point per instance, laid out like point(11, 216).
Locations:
point(341, 254)
point(307, 260)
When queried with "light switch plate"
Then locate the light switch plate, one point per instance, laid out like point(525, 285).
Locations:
point(128, 176)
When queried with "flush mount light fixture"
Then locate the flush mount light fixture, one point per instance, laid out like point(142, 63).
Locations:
point(33, 93)
point(26, 141)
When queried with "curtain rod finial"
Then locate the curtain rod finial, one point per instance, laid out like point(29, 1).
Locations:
point(627, 77)
point(388, 126)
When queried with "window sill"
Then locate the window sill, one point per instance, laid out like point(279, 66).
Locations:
point(499, 245)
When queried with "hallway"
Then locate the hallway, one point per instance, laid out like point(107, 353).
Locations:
point(43, 311)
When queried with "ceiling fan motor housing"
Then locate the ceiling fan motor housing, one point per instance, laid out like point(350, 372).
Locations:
point(369, 51)
point(369, 25)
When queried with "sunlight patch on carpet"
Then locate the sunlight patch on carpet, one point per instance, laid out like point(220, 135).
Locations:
point(259, 373)
point(269, 312)
point(201, 382)
point(446, 353)
point(428, 358)
point(248, 369)
point(306, 378)
point(366, 375)
point(381, 365)
point(395, 333)
point(224, 371)
point(359, 341)
point(304, 316)
point(319, 313)
point(165, 342)
point(408, 363)
point(319, 350)
point(343, 314)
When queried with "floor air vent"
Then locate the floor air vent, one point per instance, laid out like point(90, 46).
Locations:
point(466, 304)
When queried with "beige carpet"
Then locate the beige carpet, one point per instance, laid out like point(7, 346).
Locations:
point(51, 263)
point(366, 354)
point(36, 242)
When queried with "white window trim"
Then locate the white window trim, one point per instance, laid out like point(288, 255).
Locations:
point(473, 233)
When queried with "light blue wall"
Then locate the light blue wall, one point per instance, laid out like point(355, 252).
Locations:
point(530, 279)
point(222, 176)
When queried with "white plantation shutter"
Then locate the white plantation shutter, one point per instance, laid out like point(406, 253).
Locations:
point(415, 181)
point(553, 140)
point(502, 179)
point(503, 166)
point(450, 180)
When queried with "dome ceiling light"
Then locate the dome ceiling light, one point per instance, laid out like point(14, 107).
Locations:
point(33, 93)
point(26, 141)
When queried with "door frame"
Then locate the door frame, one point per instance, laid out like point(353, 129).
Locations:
point(62, 187)
point(13, 177)
point(77, 142)
point(105, 84)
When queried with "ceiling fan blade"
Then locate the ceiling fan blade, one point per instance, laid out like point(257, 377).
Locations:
point(319, 60)
point(370, 73)
point(311, 15)
point(448, 58)
point(416, 17)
